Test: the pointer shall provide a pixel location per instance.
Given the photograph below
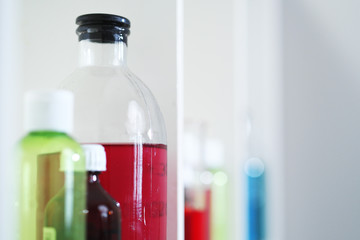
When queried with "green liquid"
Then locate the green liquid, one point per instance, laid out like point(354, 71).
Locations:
point(52, 187)
point(219, 206)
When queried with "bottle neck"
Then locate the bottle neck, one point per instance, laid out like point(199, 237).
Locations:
point(102, 54)
point(93, 177)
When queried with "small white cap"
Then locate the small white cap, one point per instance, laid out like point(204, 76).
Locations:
point(50, 110)
point(95, 157)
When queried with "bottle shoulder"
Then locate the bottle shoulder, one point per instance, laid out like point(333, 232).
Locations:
point(48, 141)
point(107, 85)
point(117, 101)
point(102, 78)
point(48, 136)
point(97, 196)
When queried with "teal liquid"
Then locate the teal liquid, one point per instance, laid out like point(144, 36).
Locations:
point(52, 176)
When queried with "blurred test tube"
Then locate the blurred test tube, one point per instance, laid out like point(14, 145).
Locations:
point(255, 198)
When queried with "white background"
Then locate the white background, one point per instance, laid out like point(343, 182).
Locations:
point(322, 114)
point(294, 67)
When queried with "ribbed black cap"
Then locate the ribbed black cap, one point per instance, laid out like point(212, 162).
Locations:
point(103, 28)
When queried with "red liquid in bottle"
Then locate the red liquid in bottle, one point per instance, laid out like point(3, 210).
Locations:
point(197, 221)
point(136, 177)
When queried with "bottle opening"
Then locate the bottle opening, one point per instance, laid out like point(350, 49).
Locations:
point(103, 28)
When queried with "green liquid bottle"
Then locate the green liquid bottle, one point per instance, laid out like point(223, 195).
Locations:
point(53, 176)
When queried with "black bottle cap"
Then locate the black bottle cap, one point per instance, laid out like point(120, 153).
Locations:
point(103, 28)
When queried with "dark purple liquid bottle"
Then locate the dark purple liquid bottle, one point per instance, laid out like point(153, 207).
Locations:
point(103, 212)
point(103, 216)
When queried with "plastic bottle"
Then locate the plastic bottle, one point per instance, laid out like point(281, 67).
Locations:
point(115, 109)
point(103, 215)
point(51, 163)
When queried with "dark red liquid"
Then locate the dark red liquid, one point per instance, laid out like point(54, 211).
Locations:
point(103, 216)
point(136, 177)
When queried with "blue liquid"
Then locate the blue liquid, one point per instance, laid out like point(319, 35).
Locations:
point(255, 176)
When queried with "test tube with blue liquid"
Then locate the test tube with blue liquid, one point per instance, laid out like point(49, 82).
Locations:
point(256, 198)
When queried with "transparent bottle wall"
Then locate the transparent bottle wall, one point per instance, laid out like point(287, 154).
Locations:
point(112, 104)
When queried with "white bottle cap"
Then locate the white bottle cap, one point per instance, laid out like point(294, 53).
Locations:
point(49, 110)
point(95, 157)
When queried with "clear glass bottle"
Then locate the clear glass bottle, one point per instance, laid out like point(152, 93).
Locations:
point(114, 108)
point(103, 216)
point(51, 164)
